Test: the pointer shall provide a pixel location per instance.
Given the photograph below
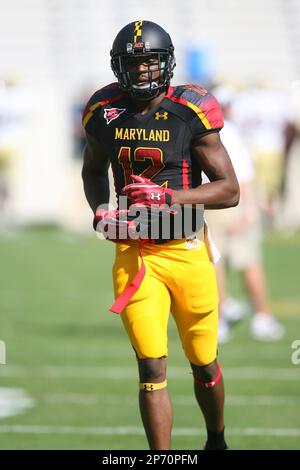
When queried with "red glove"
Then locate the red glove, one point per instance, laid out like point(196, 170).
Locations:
point(115, 225)
point(144, 191)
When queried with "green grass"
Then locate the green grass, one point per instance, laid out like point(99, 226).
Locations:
point(71, 356)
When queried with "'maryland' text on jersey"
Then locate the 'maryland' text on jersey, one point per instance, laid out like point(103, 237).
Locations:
point(154, 135)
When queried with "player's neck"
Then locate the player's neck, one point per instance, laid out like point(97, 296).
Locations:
point(144, 107)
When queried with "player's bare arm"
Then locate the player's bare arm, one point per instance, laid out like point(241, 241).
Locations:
point(213, 159)
point(95, 174)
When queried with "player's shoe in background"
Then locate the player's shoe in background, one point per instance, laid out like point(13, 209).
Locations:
point(233, 310)
point(224, 331)
point(265, 327)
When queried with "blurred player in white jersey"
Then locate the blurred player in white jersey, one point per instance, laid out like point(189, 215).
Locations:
point(237, 232)
point(265, 117)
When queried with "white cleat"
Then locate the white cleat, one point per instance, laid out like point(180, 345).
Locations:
point(265, 327)
point(233, 310)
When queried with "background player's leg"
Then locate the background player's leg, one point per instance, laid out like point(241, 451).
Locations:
point(255, 283)
point(210, 398)
point(155, 406)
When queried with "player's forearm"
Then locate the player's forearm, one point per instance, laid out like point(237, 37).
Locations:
point(96, 188)
point(215, 195)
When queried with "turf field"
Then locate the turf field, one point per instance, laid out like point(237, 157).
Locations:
point(72, 372)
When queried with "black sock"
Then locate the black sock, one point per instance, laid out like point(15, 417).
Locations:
point(215, 440)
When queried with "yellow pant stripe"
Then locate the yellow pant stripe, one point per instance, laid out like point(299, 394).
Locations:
point(150, 387)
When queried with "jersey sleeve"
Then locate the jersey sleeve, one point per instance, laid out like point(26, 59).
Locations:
point(90, 118)
point(208, 116)
point(89, 121)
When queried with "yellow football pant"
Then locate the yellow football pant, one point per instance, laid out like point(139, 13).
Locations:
point(178, 279)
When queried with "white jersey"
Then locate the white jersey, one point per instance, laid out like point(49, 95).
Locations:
point(237, 152)
point(262, 114)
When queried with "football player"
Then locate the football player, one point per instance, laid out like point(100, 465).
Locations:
point(158, 139)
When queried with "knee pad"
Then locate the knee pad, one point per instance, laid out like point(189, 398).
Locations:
point(211, 383)
point(151, 387)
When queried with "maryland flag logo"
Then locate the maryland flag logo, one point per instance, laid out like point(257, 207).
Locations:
point(112, 113)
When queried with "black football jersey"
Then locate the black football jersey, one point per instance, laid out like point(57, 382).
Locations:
point(156, 145)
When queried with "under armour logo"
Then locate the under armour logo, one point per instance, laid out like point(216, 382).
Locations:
point(155, 196)
point(164, 116)
point(148, 387)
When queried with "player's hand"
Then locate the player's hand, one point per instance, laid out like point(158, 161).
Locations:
point(115, 225)
point(144, 191)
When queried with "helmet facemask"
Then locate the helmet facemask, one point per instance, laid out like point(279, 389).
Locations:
point(156, 78)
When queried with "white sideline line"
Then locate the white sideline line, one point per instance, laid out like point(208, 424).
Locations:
point(138, 431)
point(231, 400)
point(120, 373)
point(243, 400)
point(14, 401)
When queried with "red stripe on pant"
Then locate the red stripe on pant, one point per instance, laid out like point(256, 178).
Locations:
point(121, 302)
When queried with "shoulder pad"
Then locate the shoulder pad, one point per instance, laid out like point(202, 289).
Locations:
point(203, 103)
point(108, 94)
point(192, 93)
